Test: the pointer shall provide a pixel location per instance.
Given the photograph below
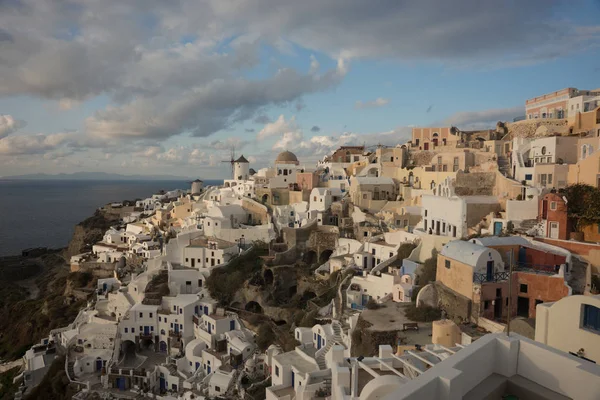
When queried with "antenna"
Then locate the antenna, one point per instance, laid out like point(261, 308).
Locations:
point(232, 159)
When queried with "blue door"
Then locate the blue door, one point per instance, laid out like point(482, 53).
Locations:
point(522, 255)
point(104, 286)
point(293, 378)
point(121, 383)
point(365, 299)
point(197, 365)
point(231, 325)
point(490, 271)
point(497, 228)
point(196, 310)
point(163, 346)
point(205, 310)
point(318, 342)
point(208, 370)
point(176, 328)
point(163, 384)
point(146, 330)
point(98, 365)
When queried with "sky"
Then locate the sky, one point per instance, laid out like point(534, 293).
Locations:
point(155, 87)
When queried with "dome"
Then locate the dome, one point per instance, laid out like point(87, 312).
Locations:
point(286, 157)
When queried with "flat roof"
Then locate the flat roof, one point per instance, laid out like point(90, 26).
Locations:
point(295, 359)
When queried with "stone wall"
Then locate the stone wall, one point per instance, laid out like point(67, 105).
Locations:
point(475, 183)
point(457, 307)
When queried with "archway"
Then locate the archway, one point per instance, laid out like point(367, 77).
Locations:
point(265, 198)
point(163, 346)
point(254, 307)
point(128, 352)
point(310, 257)
point(268, 276)
point(325, 256)
point(146, 345)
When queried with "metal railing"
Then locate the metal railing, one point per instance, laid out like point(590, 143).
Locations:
point(495, 277)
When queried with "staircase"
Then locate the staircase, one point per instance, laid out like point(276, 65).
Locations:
point(503, 165)
point(71, 370)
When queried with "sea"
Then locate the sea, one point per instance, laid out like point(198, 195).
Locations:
point(43, 213)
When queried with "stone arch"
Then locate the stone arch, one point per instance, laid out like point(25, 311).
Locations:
point(254, 307)
point(163, 346)
point(265, 198)
point(268, 277)
point(310, 257)
point(146, 344)
point(324, 256)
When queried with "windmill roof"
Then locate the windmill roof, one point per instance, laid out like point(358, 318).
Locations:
point(242, 159)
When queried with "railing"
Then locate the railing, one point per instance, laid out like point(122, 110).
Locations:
point(174, 334)
point(537, 268)
point(495, 277)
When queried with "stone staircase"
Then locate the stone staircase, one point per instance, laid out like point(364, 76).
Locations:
point(503, 165)
point(71, 370)
point(337, 339)
point(526, 225)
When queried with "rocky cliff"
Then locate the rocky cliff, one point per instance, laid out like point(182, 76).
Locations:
point(89, 232)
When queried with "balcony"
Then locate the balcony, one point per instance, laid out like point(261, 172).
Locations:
point(196, 319)
point(174, 334)
point(537, 268)
point(495, 277)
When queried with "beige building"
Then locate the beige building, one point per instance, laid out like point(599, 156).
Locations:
point(571, 324)
point(453, 161)
point(430, 138)
point(372, 193)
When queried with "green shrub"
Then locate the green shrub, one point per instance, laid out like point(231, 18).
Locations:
point(405, 249)
point(428, 271)
point(422, 314)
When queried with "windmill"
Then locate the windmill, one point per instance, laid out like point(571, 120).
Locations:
point(232, 160)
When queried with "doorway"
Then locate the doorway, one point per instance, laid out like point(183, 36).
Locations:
point(554, 230)
point(497, 228)
point(523, 307)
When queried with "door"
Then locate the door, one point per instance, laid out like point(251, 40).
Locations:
point(554, 230)
point(232, 325)
point(498, 308)
point(522, 255)
point(163, 346)
point(146, 330)
point(193, 262)
point(318, 342)
point(426, 146)
point(121, 383)
point(497, 228)
point(209, 328)
point(98, 365)
point(544, 209)
point(365, 299)
point(205, 310)
point(364, 262)
point(293, 378)
point(208, 370)
point(104, 287)
point(490, 271)
point(523, 307)
point(197, 365)
point(176, 327)
point(163, 384)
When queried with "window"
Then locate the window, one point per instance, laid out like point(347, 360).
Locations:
point(553, 205)
point(126, 330)
point(132, 330)
point(543, 150)
point(150, 315)
point(523, 288)
point(217, 389)
point(591, 318)
point(549, 177)
point(141, 315)
point(276, 371)
point(528, 177)
point(486, 304)
point(447, 264)
point(499, 292)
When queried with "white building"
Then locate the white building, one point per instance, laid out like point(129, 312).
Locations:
point(571, 324)
point(321, 198)
point(206, 252)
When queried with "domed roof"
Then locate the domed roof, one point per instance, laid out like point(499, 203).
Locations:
point(286, 156)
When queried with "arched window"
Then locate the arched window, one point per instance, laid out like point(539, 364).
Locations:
point(583, 151)
point(543, 150)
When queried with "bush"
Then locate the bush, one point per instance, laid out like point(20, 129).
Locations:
point(595, 284)
point(428, 271)
point(309, 319)
point(372, 304)
point(405, 250)
point(422, 314)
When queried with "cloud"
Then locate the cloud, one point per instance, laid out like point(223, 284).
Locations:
point(485, 119)
point(8, 125)
point(315, 128)
point(378, 102)
point(278, 128)
point(262, 119)
point(249, 130)
point(288, 140)
point(32, 144)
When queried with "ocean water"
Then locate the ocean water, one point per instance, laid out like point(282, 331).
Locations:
point(43, 213)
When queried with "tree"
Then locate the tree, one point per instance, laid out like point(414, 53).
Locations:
point(405, 250)
point(428, 271)
point(583, 204)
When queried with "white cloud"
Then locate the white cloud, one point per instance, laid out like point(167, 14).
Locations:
point(278, 127)
point(8, 125)
point(378, 102)
point(288, 140)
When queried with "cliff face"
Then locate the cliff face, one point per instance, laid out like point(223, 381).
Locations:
point(89, 232)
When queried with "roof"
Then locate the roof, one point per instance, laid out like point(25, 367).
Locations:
point(464, 252)
point(242, 159)
point(198, 180)
point(202, 241)
point(286, 156)
point(501, 241)
point(295, 359)
point(381, 180)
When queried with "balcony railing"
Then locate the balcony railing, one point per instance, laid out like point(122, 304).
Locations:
point(495, 277)
point(537, 268)
point(172, 333)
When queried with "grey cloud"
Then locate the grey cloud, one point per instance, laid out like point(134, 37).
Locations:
point(315, 129)
point(262, 119)
point(249, 130)
point(485, 119)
